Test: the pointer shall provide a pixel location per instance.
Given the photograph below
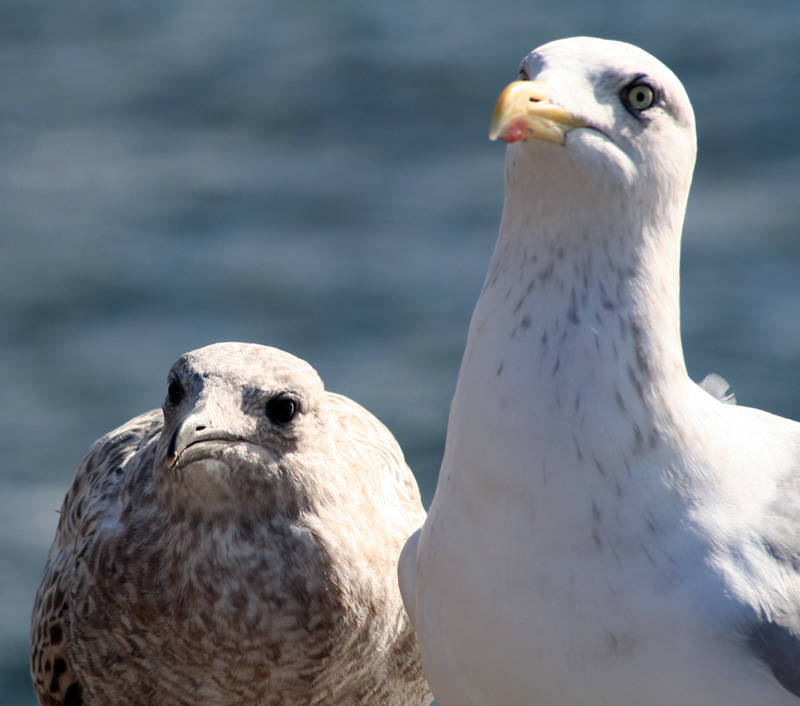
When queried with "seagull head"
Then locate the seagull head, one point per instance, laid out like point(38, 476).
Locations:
point(603, 115)
point(243, 427)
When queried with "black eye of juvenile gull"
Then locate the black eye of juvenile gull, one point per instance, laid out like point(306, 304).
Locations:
point(281, 409)
point(639, 96)
point(174, 392)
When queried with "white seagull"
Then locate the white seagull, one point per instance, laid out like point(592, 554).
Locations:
point(237, 549)
point(604, 532)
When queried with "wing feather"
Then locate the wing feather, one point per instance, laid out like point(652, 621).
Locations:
point(93, 499)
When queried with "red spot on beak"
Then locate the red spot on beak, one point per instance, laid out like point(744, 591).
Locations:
point(515, 130)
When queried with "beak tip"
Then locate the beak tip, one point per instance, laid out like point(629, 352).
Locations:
point(524, 112)
point(513, 130)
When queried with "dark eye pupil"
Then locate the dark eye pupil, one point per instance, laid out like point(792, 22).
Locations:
point(281, 410)
point(174, 392)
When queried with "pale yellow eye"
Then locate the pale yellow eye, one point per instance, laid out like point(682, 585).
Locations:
point(640, 96)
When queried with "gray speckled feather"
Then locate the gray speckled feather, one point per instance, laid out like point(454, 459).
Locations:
point(238, 549)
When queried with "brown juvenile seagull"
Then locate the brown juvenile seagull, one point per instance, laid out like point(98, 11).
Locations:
point(239, 548)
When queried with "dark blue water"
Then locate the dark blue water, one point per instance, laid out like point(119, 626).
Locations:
point(317, 177)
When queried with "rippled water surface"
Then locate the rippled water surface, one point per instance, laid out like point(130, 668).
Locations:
point(317, 177)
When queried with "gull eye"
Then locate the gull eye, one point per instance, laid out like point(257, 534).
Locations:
point(281, 409)
point(639, 97)
point(522, 75)
point(174, 392)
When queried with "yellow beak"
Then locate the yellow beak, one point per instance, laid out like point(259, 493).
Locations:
point(523, 111)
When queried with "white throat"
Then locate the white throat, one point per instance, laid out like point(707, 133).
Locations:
point(577, 329)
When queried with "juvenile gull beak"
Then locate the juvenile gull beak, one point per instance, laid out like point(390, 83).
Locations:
point(194, 430)
point(523, 111)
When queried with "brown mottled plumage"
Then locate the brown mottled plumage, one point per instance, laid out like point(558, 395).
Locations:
point(238, 549)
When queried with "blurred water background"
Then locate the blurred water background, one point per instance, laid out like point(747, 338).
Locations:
point(317, 177)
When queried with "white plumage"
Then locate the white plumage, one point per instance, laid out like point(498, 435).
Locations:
point(603, 531)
